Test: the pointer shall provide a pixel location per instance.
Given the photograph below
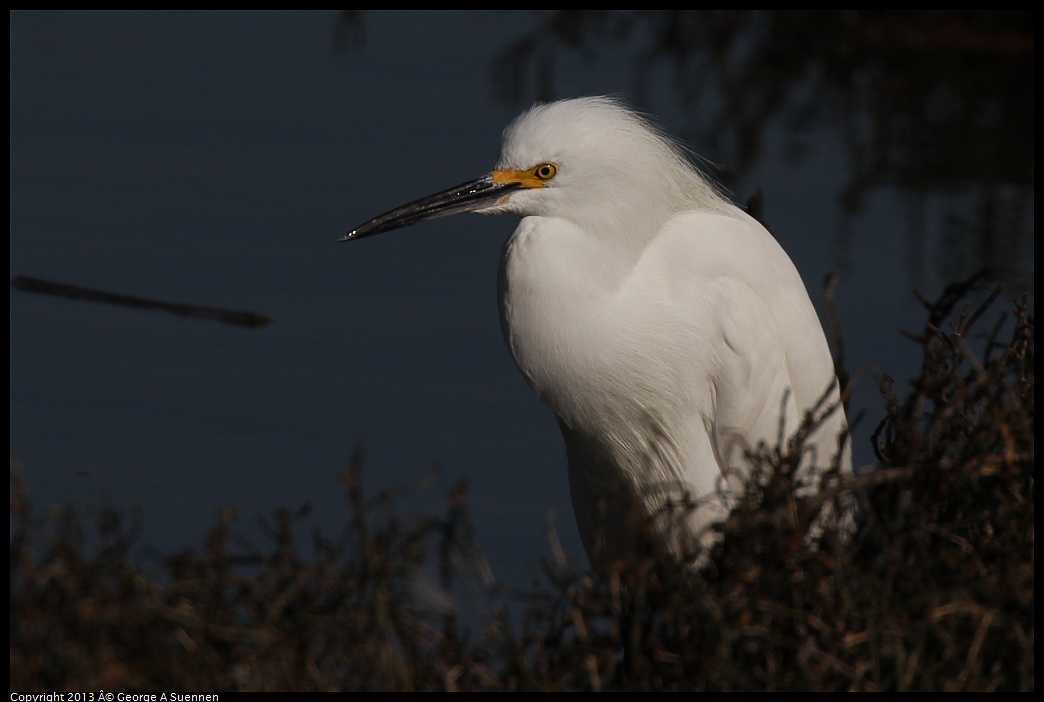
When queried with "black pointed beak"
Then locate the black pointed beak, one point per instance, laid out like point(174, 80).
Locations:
point(466, 197)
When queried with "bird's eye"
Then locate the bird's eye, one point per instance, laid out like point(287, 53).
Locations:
point(545, 171)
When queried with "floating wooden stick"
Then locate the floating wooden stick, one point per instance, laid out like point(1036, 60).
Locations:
point(45, 287)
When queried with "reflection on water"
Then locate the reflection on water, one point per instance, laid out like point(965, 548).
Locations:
point(937, 106)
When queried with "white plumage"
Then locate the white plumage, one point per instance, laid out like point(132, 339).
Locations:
point(666, 328)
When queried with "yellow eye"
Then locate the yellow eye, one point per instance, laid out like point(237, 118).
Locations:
point(545, 171)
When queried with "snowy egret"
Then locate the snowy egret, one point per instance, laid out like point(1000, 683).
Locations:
point(666, 328)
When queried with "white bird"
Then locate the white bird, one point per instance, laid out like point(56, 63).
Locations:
point(666, 328)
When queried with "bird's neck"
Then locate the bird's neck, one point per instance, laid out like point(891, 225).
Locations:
point(560, 302)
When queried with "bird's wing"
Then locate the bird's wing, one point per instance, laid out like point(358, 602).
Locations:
point(754, 401)
point(738, 299)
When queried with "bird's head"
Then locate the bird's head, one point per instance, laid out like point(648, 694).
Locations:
point(589, 160)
